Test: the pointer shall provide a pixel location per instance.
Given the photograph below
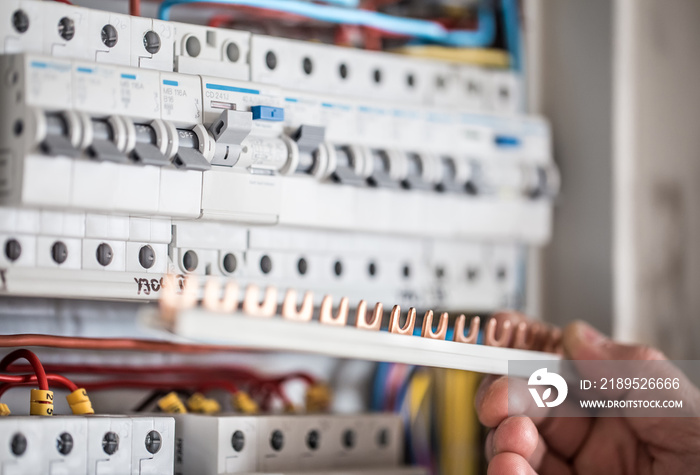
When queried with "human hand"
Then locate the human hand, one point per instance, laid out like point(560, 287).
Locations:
point(587, 445)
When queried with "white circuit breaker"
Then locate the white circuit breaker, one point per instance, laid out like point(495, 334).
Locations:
point(137, 148)
point(99, 445)
point(227, 444)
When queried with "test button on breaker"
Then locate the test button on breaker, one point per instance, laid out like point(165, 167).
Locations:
point(275, 114)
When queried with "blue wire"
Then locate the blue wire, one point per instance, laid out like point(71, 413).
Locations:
point(423, 29)
point(403, 389)
point(343, 3)
point(378, 386)
point(512, 30)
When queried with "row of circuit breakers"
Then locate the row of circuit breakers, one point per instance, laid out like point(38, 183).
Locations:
point(132, 147)
point(191, 444)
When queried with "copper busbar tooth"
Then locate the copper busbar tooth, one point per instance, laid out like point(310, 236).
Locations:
point(226, 304)
point(441, 332)
point(172, 300)
point(377, 315)
point(525, 336)
point(326, 312)
point(553, 342)
point(473, 334)
point(252, 305)
point(289, 306)
point(540, 333)
point(395, 321)
point(490, 334)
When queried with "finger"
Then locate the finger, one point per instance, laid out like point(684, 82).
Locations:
point(564, 435)
point(515, 434)
point(583, 342)
point(483, 389)
point(611, 448)
point(501, 397)
point(508, 463)
point(546, 462)
point(492, 401)
point(552, 464)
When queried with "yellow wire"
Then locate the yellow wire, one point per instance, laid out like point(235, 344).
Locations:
point(481, 57)
point(459, 427)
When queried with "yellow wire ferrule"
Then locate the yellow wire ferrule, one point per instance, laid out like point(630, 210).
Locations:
point(79, 402)
point(244, 403)
point(41, 402)
point(172, 404)
point(201, 404)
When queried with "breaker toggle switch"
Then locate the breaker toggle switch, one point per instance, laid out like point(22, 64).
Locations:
point(229, 131)
point(58, 138)
point(189, 155)
point(191, 159)
point(55, 145)
point(152, 141)
point(350, 166)
point(305, 150)
point(423, 172)
point(541, 182)
point(148, 154)
point(454, 174)
point(309, 137)
point(388, 169)
point(103, 147)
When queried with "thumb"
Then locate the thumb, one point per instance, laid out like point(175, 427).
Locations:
point(593, 355)
point(583, 342)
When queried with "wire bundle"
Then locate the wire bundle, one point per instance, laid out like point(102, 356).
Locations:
point(424, 30)
point(41, 399)
point(262, 391)
point(437, 407)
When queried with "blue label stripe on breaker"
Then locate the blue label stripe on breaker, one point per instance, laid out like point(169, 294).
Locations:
point(335, 106)
point(506, 141)
point(44, 65)
point(410, 115)
point(221, 87)
point(371, 110)
point(169, 82)
point(129, 76)
point(291, 99)
point(85, 70)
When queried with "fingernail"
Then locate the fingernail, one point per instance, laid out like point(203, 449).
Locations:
point(590, 335)
point(582, 341)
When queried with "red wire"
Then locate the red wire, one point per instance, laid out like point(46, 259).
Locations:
point(135, 7)
point(209, 385)
point(33, 360)
point(236, 372)
point(113, 344)
point(187, 377)
point(139, 384)
point(233, 371)
point(296, 375)
point(67, 2)
point(30, 379)
point(218, 21)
